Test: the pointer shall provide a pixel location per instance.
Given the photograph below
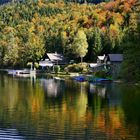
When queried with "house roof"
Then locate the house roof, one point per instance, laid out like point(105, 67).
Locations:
point(101, 57)
point(56, 58)
point(115, 57)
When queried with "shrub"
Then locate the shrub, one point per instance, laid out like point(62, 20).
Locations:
point(102, 74)
point(81, 67)
point(56, 68)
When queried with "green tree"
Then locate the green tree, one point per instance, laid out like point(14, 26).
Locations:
point(34, 49)
point(9, 46)
point(80, 45)
point(131, 64)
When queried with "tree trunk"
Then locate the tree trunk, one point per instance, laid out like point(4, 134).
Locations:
point(81, 59)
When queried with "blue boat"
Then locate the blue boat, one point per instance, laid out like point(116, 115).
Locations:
point(99, 80)
point(102, 80)
point(80, 78)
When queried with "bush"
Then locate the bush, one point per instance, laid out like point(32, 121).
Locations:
point(102, 74)
point(81, 67)
point(56, 68)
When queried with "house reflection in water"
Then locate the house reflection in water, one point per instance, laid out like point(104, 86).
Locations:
point(97, 97)
point(52, 87)
point(104, 92)
point(100, 90)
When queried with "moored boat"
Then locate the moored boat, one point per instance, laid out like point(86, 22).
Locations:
point(80, 78)
point(22, 73)
point(98, 80)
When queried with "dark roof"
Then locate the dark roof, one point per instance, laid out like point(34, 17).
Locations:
point(4, 1)
point(115, 57)
point(56, 58)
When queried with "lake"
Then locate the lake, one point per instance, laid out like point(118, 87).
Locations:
point(43, 108)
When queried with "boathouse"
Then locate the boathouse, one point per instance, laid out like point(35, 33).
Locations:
point(115, 62)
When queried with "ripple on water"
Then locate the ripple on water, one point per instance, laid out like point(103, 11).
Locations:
point(10, 134)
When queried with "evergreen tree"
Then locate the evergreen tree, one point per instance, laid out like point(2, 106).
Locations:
point(97, 41)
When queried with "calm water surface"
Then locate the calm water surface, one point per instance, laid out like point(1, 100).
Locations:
point(44, 108)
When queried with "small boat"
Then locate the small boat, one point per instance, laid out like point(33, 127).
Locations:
point(26, 73)
point(99, 80)
point(80, 78)
point(58, 78)
point(22, 73)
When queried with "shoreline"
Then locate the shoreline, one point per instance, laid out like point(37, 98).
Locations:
point(68, 75)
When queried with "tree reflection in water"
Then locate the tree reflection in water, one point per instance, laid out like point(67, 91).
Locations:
point(131, 107)
point(48, 108)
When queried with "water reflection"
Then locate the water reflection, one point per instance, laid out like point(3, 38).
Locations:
point(4, 134)
point(131, 107)
point(52, 87)
point(55, 109)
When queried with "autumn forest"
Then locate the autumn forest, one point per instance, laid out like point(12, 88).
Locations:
point(31, 28)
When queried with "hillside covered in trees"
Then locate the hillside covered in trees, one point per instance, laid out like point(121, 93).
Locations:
point(29, 29)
